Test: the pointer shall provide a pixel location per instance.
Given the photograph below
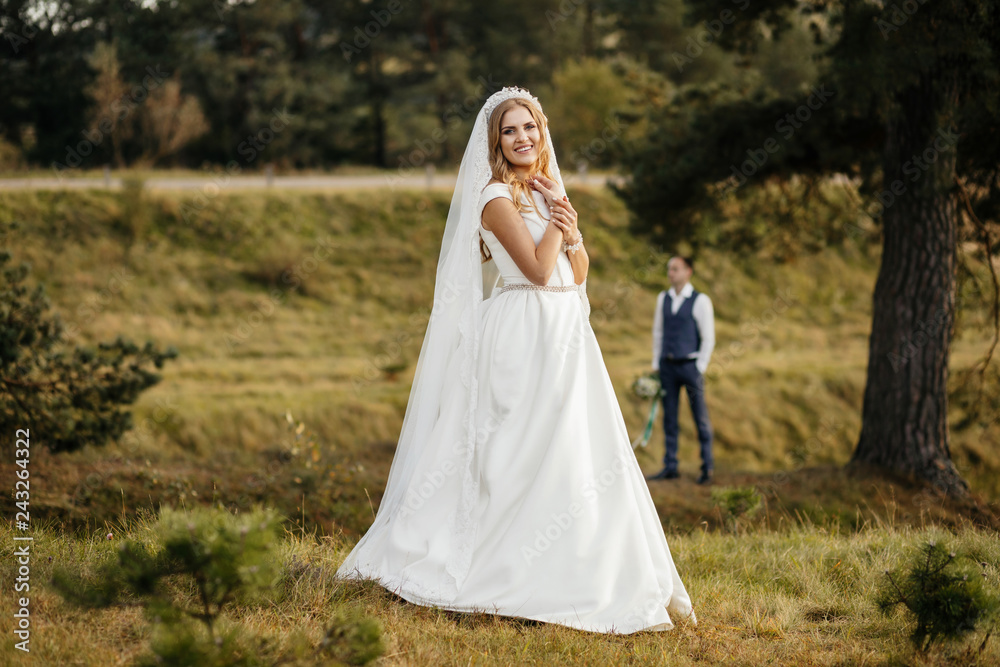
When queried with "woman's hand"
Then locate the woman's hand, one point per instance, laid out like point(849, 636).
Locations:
point(564, 216)
point(549, 188)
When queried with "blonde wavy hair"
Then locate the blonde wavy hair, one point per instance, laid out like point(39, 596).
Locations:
point(501, 168)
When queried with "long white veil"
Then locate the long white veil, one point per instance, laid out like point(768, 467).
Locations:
point(444, 383)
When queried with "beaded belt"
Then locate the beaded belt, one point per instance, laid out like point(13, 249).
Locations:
point(546, 288)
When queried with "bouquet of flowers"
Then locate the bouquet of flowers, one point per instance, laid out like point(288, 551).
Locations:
point(648, 387)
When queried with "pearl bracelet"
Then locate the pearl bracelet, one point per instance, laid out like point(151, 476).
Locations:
point(576, 246)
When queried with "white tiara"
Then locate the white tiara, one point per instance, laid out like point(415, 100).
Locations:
point(507, 93)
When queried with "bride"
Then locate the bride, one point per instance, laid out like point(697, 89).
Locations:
point(514, 489)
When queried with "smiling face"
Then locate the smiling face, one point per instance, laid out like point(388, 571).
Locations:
point(520, 139)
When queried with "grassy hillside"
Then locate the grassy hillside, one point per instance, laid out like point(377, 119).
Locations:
point(299, 319)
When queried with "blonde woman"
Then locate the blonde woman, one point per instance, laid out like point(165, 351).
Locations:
point(514, 489)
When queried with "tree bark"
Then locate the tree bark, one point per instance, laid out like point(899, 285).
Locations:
point(905, 413)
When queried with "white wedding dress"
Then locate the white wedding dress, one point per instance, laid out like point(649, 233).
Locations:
point(565, 530)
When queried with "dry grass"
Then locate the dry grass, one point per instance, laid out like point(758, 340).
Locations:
point(335, 340)
point(337, 351)
point(801, 595)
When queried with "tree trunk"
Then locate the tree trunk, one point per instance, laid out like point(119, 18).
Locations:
point(376, 94)
point(905, 414)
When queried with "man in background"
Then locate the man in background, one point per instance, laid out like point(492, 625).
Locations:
point(683, 340)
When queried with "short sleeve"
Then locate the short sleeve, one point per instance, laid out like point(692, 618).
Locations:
point(491, 192)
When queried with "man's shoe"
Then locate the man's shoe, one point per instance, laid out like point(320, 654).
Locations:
point(706, 477)
point(664, 474)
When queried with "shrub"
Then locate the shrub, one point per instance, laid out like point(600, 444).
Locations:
point(134, 219)
point(72, 396)
point(736, 502)
point(211, 559)
point(946, 600)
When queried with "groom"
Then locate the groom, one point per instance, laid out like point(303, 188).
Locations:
point(683, 339)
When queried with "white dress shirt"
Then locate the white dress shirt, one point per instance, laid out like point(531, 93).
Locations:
point(704, 319)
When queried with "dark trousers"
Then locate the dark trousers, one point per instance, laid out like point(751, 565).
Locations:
point(673, 376)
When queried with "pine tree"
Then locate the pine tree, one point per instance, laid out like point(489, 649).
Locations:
point(67, 396)
point(905, 102)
